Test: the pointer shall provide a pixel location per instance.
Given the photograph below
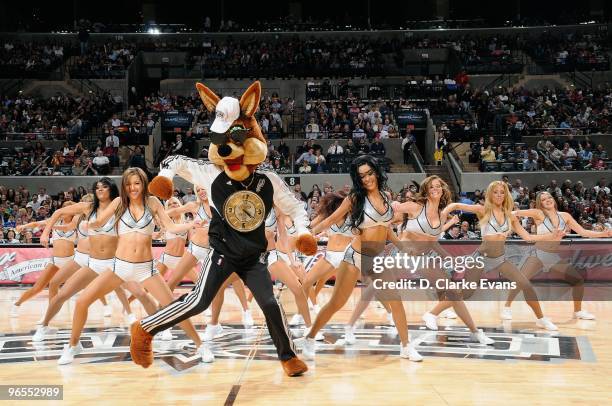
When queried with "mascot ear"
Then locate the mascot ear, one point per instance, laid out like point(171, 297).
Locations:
point(209, 98)
point(249, 102)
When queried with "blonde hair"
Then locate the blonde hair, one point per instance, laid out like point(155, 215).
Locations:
point(507, 205)
point(195, 192)
point(88, 198)
point(175, 199)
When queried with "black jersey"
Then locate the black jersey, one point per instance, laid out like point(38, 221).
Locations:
point(224, 238)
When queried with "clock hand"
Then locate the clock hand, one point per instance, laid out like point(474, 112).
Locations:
point(247, 213)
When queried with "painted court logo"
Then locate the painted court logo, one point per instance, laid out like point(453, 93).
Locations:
point(104, 345)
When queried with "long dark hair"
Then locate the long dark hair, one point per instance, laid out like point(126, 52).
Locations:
point(358, 194)
point(113, 190)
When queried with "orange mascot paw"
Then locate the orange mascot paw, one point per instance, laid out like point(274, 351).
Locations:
point(141, 347)
point(294, 366)
point(306, 244)
point(161, 187)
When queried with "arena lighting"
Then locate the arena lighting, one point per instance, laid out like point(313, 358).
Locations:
point(153, 31)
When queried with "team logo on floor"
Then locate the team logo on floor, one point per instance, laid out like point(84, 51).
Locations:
point(103, 345)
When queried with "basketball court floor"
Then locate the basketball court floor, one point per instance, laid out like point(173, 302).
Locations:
point(525, 366)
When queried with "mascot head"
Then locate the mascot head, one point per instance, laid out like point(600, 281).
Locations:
point(237, 143)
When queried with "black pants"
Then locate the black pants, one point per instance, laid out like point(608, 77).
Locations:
point(215, 270)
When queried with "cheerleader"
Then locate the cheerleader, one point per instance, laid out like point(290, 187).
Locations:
point(133, 210)
point(496, 223)
point(197, 251)
point(546, 258)
point(339, 237)
point(422, 225)
point(371, 213)
point(175, 243)
point(282, 262)
point(93, 248)
point(63, 253)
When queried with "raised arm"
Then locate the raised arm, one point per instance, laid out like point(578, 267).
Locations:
point(535, 214)
point(469, 208)
point(339, 214)
point(67, 227)
point(105, 215)
point(316, 221)
point(33, 224)
point(72, 210)
point(191, 207)
point(286, 202)
point(573, 224)
point(408, 207)
point(449, 223)
point(518, 228)
point(167, 223)
point(192, 170)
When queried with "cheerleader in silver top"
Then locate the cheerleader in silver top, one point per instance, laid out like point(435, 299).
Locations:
point(339, 237)
point(545, 255)
point(135, 210)
point(63, 252)
point(371, 212)
point(497, 222)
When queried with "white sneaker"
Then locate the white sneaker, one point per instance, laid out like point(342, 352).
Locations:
point(319, 337)
point(129, 319)
point(108, 311)
point(296, 320)
point(431, 321)
point(481, 338)
point(166, 335)
point(546, 324)
point(506, 313)
point(40, 333)
point(212, 331)
point(14, 312)
point(69, 354)
point(584, 315)
point(411, 353)
point(247, 319)
point(349, 335)
point(449, 314)
point(308, 348)
point(206, 354)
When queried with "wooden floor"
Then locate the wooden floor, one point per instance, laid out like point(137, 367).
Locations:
point(527, 366)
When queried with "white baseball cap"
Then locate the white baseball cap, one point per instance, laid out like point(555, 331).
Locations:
point(227, 111)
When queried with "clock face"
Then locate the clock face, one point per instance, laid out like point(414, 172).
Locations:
point(244, 211)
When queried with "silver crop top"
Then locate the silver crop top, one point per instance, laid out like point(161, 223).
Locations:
point(547, 225)
point(202, 214)
point(421, 224)
point(492, 227)
point(144, 225)
point(63, 235)
point(107, 229)
point(372, 218)
point(172, 236)
point(345, 229)
point(81, 233)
